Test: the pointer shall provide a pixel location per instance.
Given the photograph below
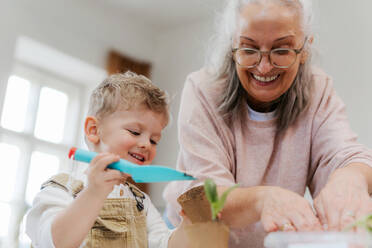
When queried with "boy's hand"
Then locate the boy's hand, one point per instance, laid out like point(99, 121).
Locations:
point(101, 180)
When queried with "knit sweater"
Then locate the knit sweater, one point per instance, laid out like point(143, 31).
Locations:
point(250, 153)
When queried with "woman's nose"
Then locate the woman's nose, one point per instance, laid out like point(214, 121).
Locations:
point(264, 66)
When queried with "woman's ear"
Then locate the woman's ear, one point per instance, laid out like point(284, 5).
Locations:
point(91, 129)
point(305, 53)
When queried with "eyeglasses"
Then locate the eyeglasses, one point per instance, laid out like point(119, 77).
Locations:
point(278, 57)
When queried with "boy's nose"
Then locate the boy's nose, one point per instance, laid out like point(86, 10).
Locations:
point(144, 143)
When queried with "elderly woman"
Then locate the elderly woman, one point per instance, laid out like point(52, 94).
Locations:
point(260, 115)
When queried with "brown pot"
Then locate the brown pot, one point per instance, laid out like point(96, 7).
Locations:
point(195, 204)
point(208, 234)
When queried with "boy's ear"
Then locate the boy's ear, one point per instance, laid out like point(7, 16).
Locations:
point(91, 129)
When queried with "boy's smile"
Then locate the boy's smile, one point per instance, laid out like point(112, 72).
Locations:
point(137, 156)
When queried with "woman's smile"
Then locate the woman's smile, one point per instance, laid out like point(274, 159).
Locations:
point(265, 81)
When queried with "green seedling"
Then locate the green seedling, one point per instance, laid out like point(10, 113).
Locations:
point(216, 203)
point(365, 223)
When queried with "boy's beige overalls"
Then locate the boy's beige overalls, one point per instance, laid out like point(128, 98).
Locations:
point(121, 221)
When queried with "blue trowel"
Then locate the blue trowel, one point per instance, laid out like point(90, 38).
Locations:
point(139, 173)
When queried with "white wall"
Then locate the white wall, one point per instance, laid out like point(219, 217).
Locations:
point(344, 41)
point(179, 52)
point(7, 45)
point(86, 31)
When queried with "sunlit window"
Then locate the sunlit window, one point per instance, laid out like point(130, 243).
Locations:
point(39, 120)
point(15, 105)
point(42, 167)
point(50, 121)
point(9, 155)
point(5, 218)
point(24, 240)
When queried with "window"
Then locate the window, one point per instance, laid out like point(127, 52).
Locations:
point(39, 123)
point(51, 117)
point(42, 166)
point(5, 219)
point(15, 106)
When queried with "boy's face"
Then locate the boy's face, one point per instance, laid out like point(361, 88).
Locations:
point(132, 134)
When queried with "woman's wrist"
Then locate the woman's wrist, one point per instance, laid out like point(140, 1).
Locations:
point(263, 193)
point(244, 205)
point(355, 174)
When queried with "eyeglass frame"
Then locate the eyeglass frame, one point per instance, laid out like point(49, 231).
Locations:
point(297, 51)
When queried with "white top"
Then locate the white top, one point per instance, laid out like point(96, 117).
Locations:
point(260, 116)
point(51, 200)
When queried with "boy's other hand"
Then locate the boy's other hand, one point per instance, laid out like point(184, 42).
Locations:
point(101, 180)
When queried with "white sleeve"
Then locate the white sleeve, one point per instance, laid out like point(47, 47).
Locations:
point(158, 233)
point(46, 205)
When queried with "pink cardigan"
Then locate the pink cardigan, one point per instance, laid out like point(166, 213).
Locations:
point(245, 152)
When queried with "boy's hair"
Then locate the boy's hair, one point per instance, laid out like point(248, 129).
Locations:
point(125, 91)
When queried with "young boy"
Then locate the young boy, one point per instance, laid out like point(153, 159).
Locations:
point(127, 114)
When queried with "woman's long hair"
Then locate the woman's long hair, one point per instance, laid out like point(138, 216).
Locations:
point(220, 60)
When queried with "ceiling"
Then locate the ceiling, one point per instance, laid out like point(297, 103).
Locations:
point(168, 13)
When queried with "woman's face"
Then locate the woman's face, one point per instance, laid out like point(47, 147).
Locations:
point(265, 27)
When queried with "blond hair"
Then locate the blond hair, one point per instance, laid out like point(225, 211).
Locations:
point(124, 91)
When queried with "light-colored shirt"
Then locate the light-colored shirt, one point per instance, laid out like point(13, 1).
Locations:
point(260, 116)
point(250, 152)
point(52, 200)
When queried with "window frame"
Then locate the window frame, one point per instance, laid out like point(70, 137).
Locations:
point(28, 143)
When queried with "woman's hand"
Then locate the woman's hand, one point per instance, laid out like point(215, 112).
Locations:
point(101, 180)
point(284, 210)
point(344, 199)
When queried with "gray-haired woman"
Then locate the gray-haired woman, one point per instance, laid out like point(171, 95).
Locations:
point(262, 117)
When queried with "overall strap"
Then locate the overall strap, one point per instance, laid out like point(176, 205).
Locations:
point(139, 196)
point(61, 180)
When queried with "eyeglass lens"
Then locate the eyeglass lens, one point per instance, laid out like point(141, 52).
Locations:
point(278, 57)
